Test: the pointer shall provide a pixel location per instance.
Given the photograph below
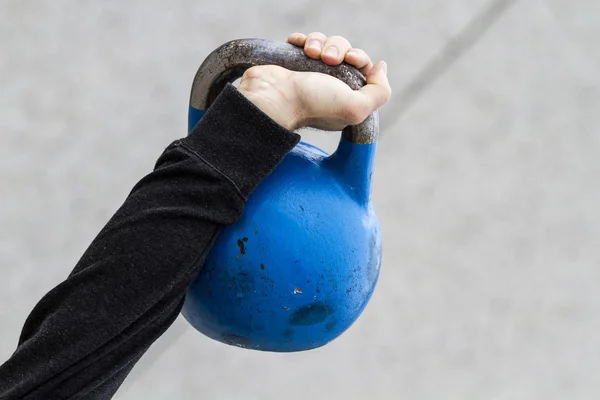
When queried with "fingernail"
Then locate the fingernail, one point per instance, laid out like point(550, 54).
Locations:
point(314, 44)
point(385, 68)
point(332, 51)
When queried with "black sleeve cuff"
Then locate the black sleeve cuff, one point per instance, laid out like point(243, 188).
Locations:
point(240, 140)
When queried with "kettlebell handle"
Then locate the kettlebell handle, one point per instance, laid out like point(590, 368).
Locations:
point(229, 62)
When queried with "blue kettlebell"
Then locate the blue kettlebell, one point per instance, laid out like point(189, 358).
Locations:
point(301, 263)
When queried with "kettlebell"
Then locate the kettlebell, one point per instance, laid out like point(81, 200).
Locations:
point(300, 265)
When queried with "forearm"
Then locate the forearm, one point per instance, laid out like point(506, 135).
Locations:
point(84, 336)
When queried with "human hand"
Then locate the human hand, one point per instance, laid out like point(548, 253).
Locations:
point(309, 99)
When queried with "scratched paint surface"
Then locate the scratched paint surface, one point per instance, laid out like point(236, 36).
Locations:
point(299, 267)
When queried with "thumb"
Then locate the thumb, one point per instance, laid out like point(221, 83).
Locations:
point(377, 90)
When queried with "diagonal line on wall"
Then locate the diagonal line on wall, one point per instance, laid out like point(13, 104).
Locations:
point(454, 49)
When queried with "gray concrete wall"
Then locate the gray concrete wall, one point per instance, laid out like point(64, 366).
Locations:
point(486, 186)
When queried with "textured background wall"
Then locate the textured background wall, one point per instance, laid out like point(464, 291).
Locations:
point(486, 186)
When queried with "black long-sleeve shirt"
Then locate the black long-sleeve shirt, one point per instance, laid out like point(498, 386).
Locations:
point(84, 337)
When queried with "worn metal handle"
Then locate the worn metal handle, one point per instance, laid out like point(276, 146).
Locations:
point(229, 62)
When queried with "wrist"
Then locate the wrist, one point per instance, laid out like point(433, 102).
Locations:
point(273, 105)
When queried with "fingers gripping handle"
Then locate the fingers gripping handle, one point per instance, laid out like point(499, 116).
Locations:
point(229, 62)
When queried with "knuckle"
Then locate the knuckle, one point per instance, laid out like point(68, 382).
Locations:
point(364, 54)
point(252, 72)
point(345, 41)
point(339, 41)
point(364, 57)
point(318, 36)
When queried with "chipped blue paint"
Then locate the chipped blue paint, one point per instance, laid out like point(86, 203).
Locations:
point(300, 265)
